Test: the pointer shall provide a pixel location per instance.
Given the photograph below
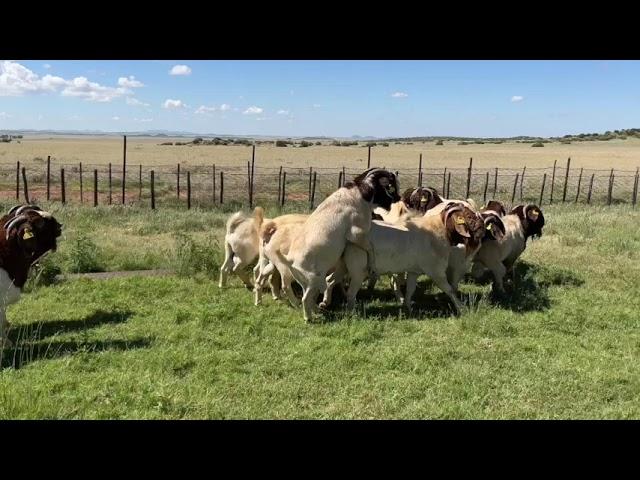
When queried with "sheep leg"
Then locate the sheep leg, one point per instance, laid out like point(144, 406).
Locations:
point(357, 277)
point(335, 278)
point(275, 284)
point(498, 270)
point(240, 270)
point(412, 280)
point(316, 285)
point(359, 237)
point(440, 279)
point(287, 280)
point(227, 266)
point(260, 282)
point(396, 284)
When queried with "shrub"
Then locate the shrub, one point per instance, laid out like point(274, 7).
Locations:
point(384, 144)
point(84, 255)
point(464, 143)
point(537, 144)
point(281, 143)
point(197, 140)
point(192, 256)
point(439, 142)
point(565, 142)
point(318, 143)
point(304, 143)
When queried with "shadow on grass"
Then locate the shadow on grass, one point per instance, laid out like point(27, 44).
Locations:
point(30, 342)
point(529, 289)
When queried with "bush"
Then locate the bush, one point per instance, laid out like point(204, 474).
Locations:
point(565, 142)
point(197, 141)
point(304, 143)
point(84, 256)
point(281, 143)
point(622, 137)
point(43, 273)
point(384, 144)
point(192, 256)
point(537, 144)
point(318, 143)
point(439, 142)
point(464, 143)
point(167, 143)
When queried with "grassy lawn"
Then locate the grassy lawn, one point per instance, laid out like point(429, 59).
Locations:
point(565, 344)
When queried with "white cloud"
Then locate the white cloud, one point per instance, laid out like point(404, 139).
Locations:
point(253, 111)
point(40, 117)
point(283, 112)
point(204, 109)
point(5, 115)
point(517, 98)
point(136, 102)
point(180, 70)
point(47, 66)
point(143, 119)
point(92, 91)
point(130, 82)
point(399, 95)
point(169, 103)
point(115, 118)
point(224, 107)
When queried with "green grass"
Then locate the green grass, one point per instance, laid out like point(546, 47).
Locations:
point(565, 344)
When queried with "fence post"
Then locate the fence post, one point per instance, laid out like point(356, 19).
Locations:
point(515, 184)
point(249, 182)
point(486, 186)
point(48, 176)
point(110, 184)
point(310, 175)
point(524, 169)
point(553, 181)
point(18, 180)
point(62, 186)
point(344, 177)
point(448, 184)
point(214, 184)
point(313, 192)
point(81, 191)
point(610, 187)
point(369, 158)
point(178, 182)
point(284, 187)
point(221, 188)
point(579, 182)
point(140, 183)
point(95, 187)
point(635, 188)
point(544, 180)
point(188, 190)
point(153, 191)
point(253, 165)
point(279, 185)
point(495, 184)
point(566, 180)
point(420, 171)
point(26, 188)
point(469, 178)
point(340, 179)
point(590, 187)
point(444, 182)
point(124, 166)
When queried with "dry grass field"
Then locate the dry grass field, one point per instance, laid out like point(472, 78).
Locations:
point(618, 154)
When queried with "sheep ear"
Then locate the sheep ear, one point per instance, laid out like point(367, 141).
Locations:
point(461, 226)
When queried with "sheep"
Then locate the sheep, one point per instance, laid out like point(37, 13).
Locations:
point(241, 246)
point(27, 234)
point(275, 238)
point(421, 199)
point(422, 245)
point(342, 218)
point(496, 206)
point(523, 222)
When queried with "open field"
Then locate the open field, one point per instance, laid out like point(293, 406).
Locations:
point(619, 154)
point(566, 344)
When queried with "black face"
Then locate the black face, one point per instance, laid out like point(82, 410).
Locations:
point(531, 218)
point(378, 186)
point(39, 235)
point(421, 199)
point(494, 227)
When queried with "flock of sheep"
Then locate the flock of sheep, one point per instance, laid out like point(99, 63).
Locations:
point(360, 231)
point(365, 229)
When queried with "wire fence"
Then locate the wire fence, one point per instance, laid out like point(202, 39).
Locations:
point(207, 186)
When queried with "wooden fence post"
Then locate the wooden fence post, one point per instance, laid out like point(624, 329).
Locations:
point(611, 177)
point(515, 184)
point(469, 178)
point(486, 186)
point(369, 158)
point(213, 194)
point(553, 181)
point(124, 168)
point(420, 171)
point(81, 191)
point(279, 185)
point(178, 181)
point(524, 169)
point(590, 187)
point(566, 180)
point(579, 182)
point(221, 187)
point(26, 188)
point(48, 177)
point(313, 192)
point(444, 181)
point(62, 186)
point(153, 191)
point(188, 190)
point(544, 180)
point(110, 183)
point(284, 188)
point(18, 180)
point(140, 183)
point(448, 184)
point(495, 184)
point(95, 187)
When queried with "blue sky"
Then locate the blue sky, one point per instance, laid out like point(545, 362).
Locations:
point(331, 98)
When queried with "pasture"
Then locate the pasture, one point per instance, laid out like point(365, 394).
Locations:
point(564, 344)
